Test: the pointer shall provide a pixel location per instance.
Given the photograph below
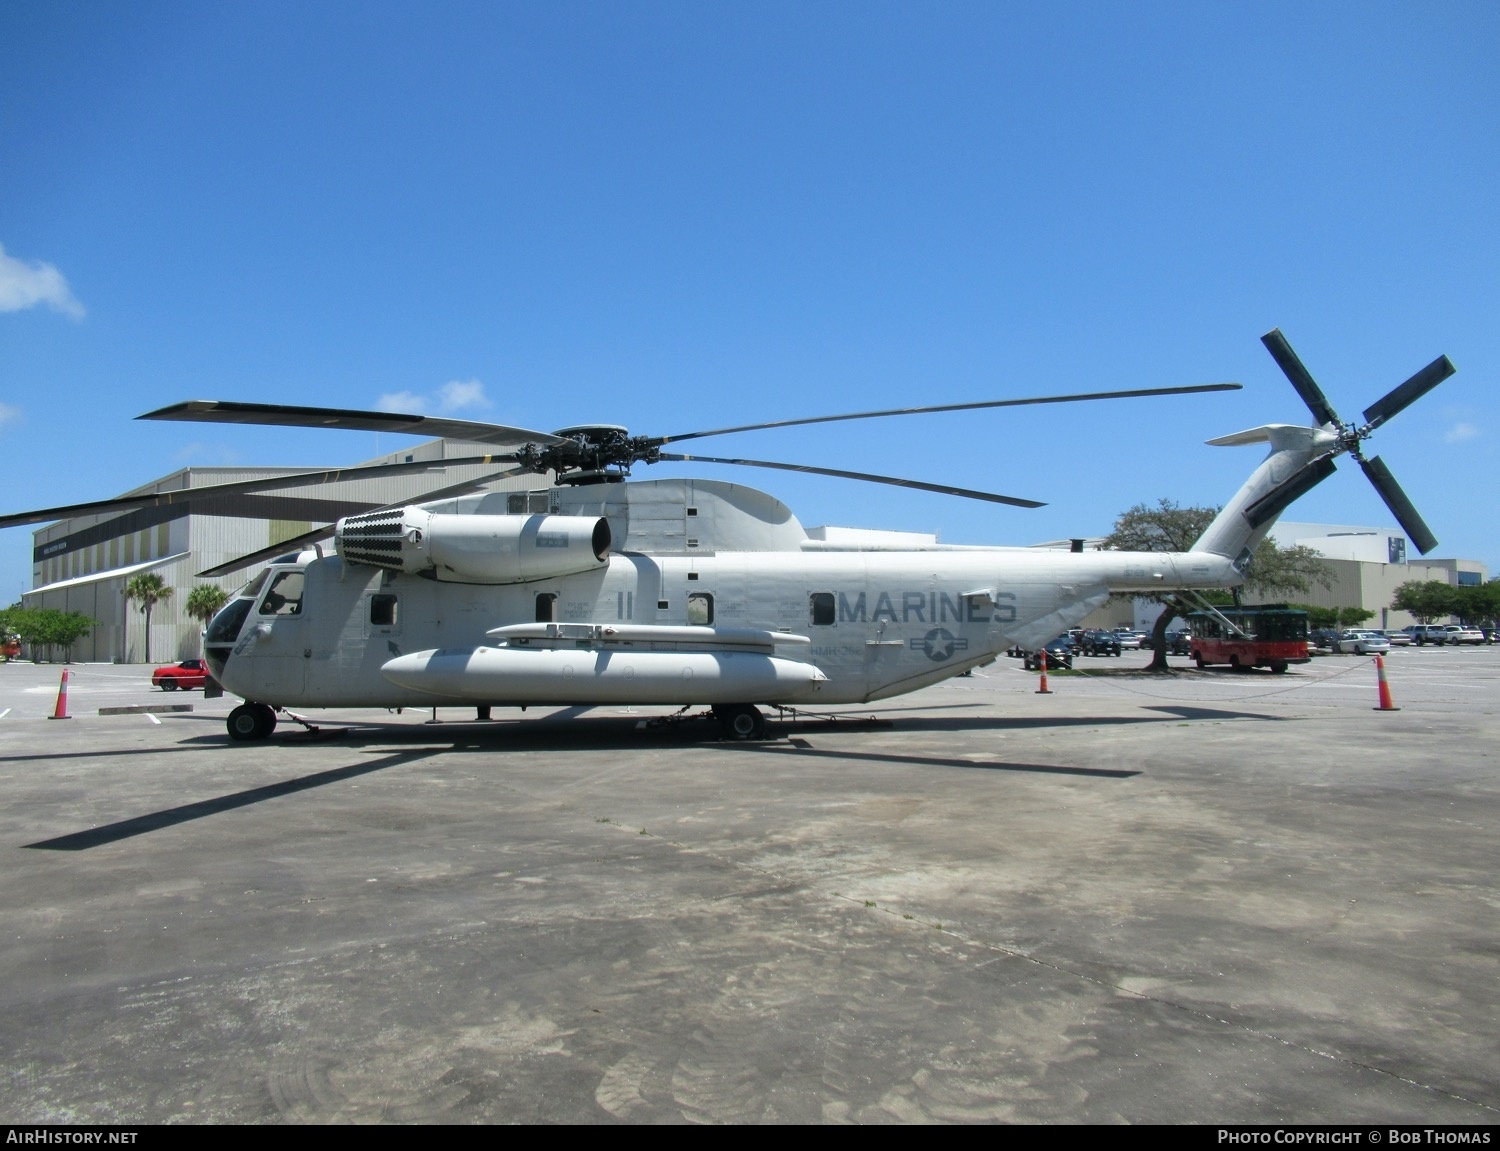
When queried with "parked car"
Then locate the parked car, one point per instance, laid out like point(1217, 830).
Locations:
point(1100, 643)
point(1059, 654)
point(1397, 638)
point(1363, 643)
point(1322, 637)
point(1129, 640)
point(1425, 633)
point(187, 675)
point(1179, 642)
point(1455, 634)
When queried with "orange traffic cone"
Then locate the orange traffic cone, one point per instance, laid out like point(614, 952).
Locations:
point(61, 710)
point(1385, 688)
point(1044, 689)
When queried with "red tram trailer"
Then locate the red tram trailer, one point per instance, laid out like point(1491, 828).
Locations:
point(1265, 635)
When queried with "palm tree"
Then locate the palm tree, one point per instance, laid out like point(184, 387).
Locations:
point(204, 602)
point(148, 589)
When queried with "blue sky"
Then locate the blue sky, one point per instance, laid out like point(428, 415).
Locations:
point(684, 216)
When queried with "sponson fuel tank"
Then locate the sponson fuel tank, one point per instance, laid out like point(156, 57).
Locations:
point(506, 675)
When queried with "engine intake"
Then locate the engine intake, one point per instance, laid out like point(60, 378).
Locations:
point(477, 549)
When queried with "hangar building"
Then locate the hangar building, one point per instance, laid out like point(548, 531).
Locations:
point(83, 564)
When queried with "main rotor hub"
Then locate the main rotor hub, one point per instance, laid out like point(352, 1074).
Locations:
point(595, 454)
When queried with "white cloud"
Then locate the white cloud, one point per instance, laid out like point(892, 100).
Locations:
point(24, 285)
point(405, 402)
point(1462, 431)
point(454, 396)
point(8, 413)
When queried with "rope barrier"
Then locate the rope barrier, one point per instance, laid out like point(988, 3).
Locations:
point(1295, 686)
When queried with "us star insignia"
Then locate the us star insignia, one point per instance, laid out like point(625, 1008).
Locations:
point(939, 644)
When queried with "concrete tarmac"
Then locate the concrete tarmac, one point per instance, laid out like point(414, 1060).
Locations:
point(1201, 898)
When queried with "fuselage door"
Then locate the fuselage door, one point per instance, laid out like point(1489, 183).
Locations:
point(275, 660)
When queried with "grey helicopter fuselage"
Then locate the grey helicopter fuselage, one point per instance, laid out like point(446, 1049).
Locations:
point(682, 592)
point(712, 593)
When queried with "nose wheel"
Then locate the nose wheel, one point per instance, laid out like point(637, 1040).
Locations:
point(250, 722)
point(740, 720)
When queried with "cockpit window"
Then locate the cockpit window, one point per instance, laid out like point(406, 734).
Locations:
point(226, 625)
point(285, 596)
point(252, 589)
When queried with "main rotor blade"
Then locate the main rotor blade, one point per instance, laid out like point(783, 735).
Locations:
point(1281, 497)
point(312, 537)
point(1301, 378)
point(295, 544)
point(1133, 393)
point(1401, 507)
point(1408, 393)
point(292, 416)
point(188, 496)
point(941, 489)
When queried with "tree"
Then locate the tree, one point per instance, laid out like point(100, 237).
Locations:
point(148, 589)
point(1426, 600)
point(46, 628)
point(1169, 527)
point(65, 628)
point(204, 602)
point(1277, 571)
point(1479, 605)
point(1337, 618)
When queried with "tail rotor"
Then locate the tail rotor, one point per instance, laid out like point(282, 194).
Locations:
point(1350, 436)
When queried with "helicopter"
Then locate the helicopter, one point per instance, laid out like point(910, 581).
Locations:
point(682, 592)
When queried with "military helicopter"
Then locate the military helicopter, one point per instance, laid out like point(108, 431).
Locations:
point(682, 592)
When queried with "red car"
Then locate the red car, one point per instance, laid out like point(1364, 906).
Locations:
point(188, 674)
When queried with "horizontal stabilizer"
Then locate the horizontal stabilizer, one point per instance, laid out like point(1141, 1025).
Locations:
point(1261, 435)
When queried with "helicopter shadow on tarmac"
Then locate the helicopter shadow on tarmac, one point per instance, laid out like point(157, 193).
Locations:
point(572, 730)
point(610, 733)
point(172, 816)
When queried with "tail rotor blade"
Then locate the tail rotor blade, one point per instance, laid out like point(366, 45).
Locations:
point(1401, 507)
point(1276, 501)
point(1301, 378)
point(1409, 392)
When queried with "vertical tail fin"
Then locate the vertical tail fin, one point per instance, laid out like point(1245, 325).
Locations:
point(1299, 459)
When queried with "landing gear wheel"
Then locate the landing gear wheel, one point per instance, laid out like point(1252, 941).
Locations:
point(740, 721)
point(250, 722)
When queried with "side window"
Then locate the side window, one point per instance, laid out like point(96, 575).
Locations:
point(700, 608)
point(383, 610)
point(820, 608)
point(285, 596)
